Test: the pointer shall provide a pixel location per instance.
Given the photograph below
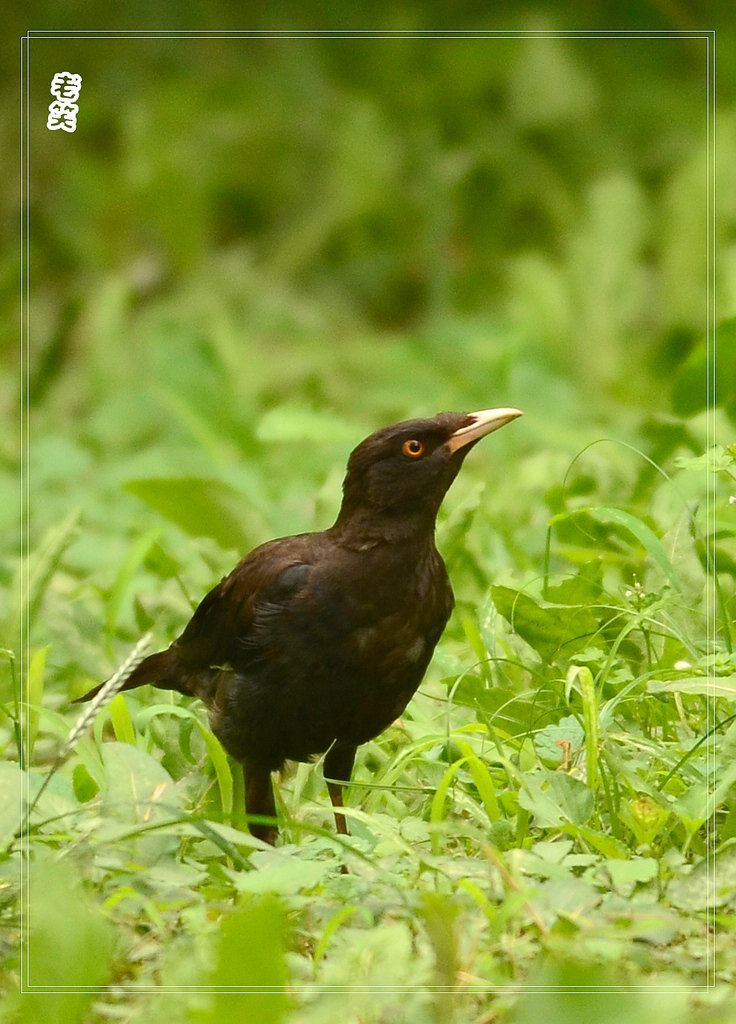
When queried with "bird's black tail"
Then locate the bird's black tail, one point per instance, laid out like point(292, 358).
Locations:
point(160, 669)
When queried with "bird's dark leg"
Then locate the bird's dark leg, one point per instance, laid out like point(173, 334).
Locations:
point(259, 800)
point(338, 767)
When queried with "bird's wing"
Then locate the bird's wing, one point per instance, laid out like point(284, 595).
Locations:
point(269, 576)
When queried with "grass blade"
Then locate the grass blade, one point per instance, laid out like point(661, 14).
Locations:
point(646, 537)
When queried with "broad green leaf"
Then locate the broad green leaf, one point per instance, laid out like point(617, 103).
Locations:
point(607, 845)
point(137, 787)
point(585, 587)
point(625, 874)
point(250, 960)
point(200, 507)
point(695, 805)
point(573, 796)
point(712, 686)
point(284, 877)
point(70, 946)
point(139, 790)
point(715, 459)
point(56, 805)
point(711, 883)
point(565, 896)
point(552, 630)
point(555, 798)
point(550, 741)
point(85, 786)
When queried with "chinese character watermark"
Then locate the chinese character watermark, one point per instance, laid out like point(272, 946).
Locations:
point(65, 88)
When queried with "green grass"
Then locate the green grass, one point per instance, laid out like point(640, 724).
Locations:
point(549, 829)
point(550, 807)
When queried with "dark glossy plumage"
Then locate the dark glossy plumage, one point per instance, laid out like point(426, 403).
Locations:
point(316, 643)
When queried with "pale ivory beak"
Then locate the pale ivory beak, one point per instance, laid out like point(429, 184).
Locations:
point(481, 423)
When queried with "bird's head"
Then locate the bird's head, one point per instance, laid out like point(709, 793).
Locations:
point(401, 473)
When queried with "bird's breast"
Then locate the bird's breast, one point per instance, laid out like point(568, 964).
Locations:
point(338, 657)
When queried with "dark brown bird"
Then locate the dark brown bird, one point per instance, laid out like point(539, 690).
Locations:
point(316, 643)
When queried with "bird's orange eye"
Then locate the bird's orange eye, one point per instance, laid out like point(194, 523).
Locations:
point(413, 448)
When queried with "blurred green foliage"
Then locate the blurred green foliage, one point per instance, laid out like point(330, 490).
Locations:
point(374, 226)
point(554, 184)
